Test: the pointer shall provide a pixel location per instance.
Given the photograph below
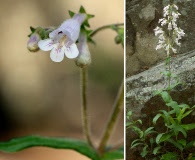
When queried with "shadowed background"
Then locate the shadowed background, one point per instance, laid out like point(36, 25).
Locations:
point(38, 96)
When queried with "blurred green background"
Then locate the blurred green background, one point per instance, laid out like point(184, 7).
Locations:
point(38, 96)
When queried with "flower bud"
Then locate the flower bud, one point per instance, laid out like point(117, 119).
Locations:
point(84, 57)
point(117, 39)
point(32, 43)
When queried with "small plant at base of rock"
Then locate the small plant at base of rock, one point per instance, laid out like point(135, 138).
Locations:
point(170, 144)
point(177, 132)
point(143, 135)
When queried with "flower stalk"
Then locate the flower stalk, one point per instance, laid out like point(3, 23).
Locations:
point(112, 120)
point(84, 105)
point(105, 27)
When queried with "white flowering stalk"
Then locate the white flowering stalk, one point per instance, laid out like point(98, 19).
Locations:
point(62, 40)
point(171, 36)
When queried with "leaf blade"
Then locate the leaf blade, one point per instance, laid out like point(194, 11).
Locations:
point(22, 143)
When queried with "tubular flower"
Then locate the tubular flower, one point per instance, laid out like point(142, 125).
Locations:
point(62, 40)
point(84, 57)
point(32, 43)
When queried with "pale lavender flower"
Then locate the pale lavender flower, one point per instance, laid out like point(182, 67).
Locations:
point(32, 43)
point(62, 40)
point(84, 57)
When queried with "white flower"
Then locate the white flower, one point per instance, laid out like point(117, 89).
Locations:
point(32, 43)
point(62, 40)
point(84, 57)
point(169, 26)
point(158, 30)
point(174, 50)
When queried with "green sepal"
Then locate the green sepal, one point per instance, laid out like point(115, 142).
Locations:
point(119, 39)
point(88, 32)
point(32, 29)
point(43, 32)
point(71, 13)
point(85, 23)
point(82, 11)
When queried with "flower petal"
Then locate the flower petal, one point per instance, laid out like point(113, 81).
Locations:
point(57, 54)
point(71, 28)
point(56, 34)
point(46, 45)
point(72, 51)
point(84, 57)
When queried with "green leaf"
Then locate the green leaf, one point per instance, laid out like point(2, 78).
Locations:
point(163, 137)
point(177, 129)
point(156, 149)
point(21, 143)
point(166, 97)
point(182, 142)
point(186, 114)
point(135, 143)
point(139, 131)
point(139, 120)
point(148, 131)
point(129, 114)
point(152, 141)
point(178, 145)
point(184, 106)
point(166, 116)
point(144, 151)
point(169, 156)
point(156, 118)
point(189, 126)
point(113, 155)
point(174, 105)
point(168, 60)
point(128, 124)
point(158, 138)
point(190, 145)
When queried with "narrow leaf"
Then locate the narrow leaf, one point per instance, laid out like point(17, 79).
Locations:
point(144, 151)
point(156, 149)
point(189, 126)
point(21, 143)
point(113, 155)
point(148, 131)
point(166, 97)
point(182, 142)
point(169, 156)
point(176, 144)
point(156, 118)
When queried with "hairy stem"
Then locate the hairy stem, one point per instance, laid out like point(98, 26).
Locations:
point(110, 125)
point(104, 27)
point(84, 105)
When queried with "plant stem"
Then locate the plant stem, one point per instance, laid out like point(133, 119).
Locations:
point(110, 125)
point(104, 27)
point(84, 105)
